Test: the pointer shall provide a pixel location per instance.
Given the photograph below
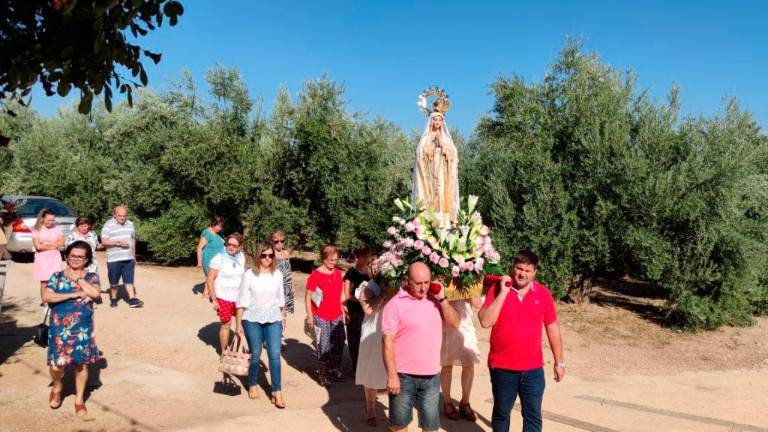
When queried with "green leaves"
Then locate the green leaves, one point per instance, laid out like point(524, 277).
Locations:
point(603, 184)
point(78, 44)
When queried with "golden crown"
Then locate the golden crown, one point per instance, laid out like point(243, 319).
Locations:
point(440, 104)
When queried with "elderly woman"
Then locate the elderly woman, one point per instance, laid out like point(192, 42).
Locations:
point(261, 318)
point(323, 302)
point(47, 239)
point(84, 231)
point(209, 245)
point(70, 294)
point(226, 270)
point(277, 237)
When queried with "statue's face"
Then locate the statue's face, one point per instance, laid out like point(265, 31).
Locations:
point(437, 122)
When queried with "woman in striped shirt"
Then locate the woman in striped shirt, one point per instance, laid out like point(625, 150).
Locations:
point(277, 238)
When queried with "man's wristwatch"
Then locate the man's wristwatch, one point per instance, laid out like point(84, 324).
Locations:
point(560, 364)
point(441, 300)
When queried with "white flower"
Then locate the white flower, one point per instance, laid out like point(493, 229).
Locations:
point(399, 204)
point(409, 226)
point(471, 203)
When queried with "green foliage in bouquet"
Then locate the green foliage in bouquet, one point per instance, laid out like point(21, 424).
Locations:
point(462, 252)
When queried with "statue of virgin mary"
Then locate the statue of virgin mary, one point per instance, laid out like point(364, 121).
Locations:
point(435, 182)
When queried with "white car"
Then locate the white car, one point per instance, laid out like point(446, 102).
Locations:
point(27, 208)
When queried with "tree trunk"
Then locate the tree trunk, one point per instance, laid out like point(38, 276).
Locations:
point(580, 289)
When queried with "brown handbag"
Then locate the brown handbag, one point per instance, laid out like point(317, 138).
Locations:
point(235, 359)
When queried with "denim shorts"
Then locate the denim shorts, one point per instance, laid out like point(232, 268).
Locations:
point(423, 391)
point(121, 269)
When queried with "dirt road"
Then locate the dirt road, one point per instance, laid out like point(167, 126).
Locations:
point(159, 368)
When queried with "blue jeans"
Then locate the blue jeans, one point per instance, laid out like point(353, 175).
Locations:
point(424, 392)
point(506, 385)
point(255, 333)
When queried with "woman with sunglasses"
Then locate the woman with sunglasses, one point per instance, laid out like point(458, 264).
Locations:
point(70, 294)
point(261, 317)
point(224, 274)
point(284, 265)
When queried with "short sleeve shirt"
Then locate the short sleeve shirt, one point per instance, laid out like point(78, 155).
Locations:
point(516, 335)
point(116, 232)
point(331, 285)
point(231, 269)
point(417, 326)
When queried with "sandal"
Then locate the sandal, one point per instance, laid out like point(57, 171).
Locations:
point(80, 410)
point(449, 409)
point(467, 412)
point(54, 399)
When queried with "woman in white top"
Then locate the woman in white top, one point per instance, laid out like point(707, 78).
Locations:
point(225, 271)
point(84, 231)
point(261, 317)
point(370, 372)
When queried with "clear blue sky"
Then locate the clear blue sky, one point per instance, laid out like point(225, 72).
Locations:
point(386, 52)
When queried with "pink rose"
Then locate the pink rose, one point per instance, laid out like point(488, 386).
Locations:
point(479, 265)
point(387, 244)
point(468, 266)
point(455, 271)
point(426, 250)
point(391, 230)
point(418, 244)
point(410, 226)
point(443, 263)
point(408, 242)
point(484, 230)
point(434, 257)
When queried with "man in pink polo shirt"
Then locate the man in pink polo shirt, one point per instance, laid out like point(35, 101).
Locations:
point(412, 324)
point(518, 309)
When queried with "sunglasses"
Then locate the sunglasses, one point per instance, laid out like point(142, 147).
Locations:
point(264, 255)
point(233, 244)
point(278, 241)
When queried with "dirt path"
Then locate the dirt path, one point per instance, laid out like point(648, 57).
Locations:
point(625, 373)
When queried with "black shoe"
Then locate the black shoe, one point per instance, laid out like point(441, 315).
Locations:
point(113, 303)
point(135, 303)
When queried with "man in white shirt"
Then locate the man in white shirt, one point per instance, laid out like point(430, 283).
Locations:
point(119, 238)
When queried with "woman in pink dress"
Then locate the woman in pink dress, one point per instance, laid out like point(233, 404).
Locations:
point(47, 239)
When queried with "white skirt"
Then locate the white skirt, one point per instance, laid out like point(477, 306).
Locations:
point(460, 345)
point(371, 372)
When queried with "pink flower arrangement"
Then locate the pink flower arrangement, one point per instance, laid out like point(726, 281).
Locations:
point(462, 250)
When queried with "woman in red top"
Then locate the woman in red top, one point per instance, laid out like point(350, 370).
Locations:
point(325, 315)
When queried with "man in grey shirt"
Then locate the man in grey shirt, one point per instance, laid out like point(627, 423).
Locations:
point(119, 238)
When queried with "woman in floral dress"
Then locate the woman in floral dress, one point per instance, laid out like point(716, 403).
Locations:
point(70, 294)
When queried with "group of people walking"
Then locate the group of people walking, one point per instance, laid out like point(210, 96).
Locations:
point(407, 344)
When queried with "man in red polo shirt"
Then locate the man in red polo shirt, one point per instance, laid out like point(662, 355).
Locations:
point(518, 309)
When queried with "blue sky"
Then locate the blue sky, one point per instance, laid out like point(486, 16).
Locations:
point(386, 52)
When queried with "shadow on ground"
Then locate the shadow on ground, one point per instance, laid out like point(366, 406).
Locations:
point(645, 300)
